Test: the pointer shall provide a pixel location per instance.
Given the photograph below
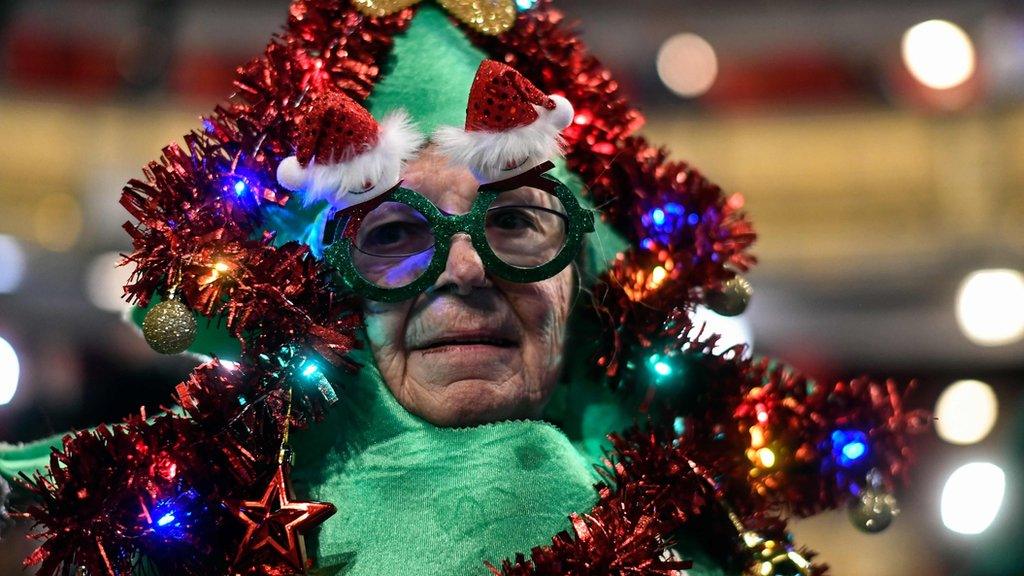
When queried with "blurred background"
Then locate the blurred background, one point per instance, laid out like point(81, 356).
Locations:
point(879, 149)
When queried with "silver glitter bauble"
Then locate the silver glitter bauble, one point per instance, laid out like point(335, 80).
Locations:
point(873, 511)
point(169, 327)
point(732, 300)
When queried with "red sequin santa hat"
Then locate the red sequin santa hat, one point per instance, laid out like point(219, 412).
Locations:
point(343, 155)
point(511, 126)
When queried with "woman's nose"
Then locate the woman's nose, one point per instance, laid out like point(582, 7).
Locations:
point(464, 270)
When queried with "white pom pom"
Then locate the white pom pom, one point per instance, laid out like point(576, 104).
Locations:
point(291, 174)
point(563, 113)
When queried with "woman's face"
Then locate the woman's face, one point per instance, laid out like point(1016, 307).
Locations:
point(474, 349)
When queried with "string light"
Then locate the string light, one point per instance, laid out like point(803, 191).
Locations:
point(218, 269)
point(658, 276)
point(310, 369)
point(849, 447)
point(766, 457)
point(172, 515)
point(659, 366)
point(665, 223)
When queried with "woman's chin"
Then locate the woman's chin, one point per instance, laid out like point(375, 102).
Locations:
point(469, 385)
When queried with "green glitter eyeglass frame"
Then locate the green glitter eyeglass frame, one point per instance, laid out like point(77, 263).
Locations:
point(340, 233)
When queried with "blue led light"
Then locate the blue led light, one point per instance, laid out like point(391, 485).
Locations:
point(310, 369)
point(658, 215)
point(240, 187)
point(665, 222)
point(525, 4)
point(173, 517)
point(849, 447)
point(854, 450)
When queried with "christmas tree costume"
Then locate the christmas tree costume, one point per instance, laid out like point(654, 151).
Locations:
point(302, 437)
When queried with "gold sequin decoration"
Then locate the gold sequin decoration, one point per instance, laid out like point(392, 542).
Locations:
point(381, 7)
point(491, 17)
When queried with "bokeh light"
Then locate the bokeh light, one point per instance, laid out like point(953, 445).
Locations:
point(990, 307)
point(972, 497)
point(966, 412)
point(687, 65)
point(12, 264)
point(105, 280)
point(10, 371)
point(939, 54)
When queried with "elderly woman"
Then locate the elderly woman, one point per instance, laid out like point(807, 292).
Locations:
point(468, 268)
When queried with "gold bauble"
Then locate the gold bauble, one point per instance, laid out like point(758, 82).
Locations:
point(169, 327)
point(732, 299)
point(491, 17)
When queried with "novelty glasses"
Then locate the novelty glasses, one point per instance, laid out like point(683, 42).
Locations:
point(526, 228)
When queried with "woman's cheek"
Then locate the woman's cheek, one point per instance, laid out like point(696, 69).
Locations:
point(544, 310)
point(385, 330)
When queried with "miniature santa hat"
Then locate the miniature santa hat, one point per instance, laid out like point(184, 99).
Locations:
point(511, 126)
point(343, 155)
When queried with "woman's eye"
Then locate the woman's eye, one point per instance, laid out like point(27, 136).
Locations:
point(390, 234)
point(512, 219)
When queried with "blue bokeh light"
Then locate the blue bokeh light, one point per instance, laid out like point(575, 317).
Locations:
point(658, 216)
point(849, 447)
point(240, 187)
point(525, 4)
point(664, 223)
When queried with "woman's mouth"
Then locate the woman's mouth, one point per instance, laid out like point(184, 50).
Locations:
point(464, 340)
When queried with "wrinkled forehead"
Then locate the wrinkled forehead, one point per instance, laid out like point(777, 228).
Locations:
point(453, 188)
point(450, 187)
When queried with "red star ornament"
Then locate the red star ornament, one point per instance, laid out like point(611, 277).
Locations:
point(274, 521)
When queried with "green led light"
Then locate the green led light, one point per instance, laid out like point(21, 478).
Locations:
point(662, 368)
